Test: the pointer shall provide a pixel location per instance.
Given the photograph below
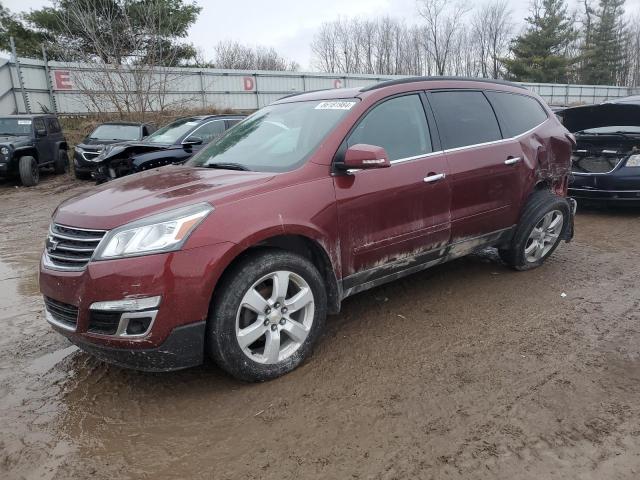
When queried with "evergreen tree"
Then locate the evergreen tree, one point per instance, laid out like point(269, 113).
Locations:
point(603, 54)
point(27, 41)
point(539, 54)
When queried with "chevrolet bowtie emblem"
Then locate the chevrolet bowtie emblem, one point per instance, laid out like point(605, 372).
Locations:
point(52, 244)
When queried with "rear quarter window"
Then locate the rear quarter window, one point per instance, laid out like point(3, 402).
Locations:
point(517, 113)
point(464, 118)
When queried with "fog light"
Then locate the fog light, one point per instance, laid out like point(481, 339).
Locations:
point(127, 305)
point(138, 326)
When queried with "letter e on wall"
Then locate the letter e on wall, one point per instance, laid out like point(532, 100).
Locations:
point(62, 80)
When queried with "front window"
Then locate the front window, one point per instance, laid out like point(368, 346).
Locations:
point(174, 131)
point(116, 132)
point(15, 126)
point(278, 138)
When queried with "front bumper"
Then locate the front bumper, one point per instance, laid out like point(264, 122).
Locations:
point(81, 165)
point(183, 348)
point(185, 281)
point(622, 185)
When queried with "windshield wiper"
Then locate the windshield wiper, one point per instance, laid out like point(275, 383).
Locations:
point(228, 166)
point(618, 133)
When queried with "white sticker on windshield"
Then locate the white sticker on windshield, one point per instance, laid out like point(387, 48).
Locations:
point(24, 122)
point(335, 105)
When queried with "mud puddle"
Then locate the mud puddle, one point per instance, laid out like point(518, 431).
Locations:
point(468, 370)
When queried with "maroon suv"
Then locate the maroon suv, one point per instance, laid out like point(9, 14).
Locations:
point(243, 251)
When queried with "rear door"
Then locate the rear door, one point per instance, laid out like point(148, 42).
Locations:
point(391, 215)
point(484, 167)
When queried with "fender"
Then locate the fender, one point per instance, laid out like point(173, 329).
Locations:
point(61, 145)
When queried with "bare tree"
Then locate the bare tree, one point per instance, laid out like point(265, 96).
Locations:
point(491, 27)
point(236, 56)
point(443, 21)
point(130, 68)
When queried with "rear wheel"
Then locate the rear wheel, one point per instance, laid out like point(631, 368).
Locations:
point(29, 171)
point(61, 165)
point(542, 226)
point(267, 316)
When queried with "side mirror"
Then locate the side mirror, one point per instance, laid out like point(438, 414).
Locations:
point(193, 141)
point(363, 156)
point(41, 132)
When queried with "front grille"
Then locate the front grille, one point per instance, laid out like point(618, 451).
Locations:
point(62, 312)
point(70, 248)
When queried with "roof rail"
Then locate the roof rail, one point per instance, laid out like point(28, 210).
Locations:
point(401, 81)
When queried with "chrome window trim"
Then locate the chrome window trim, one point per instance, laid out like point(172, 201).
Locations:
point(198, 128)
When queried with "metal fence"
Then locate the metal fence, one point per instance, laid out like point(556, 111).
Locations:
point(29, 85)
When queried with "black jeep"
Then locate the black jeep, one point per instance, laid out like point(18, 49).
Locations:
point(30, 142)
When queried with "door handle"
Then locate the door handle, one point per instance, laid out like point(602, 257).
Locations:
point(434, 177)
point(512, 160)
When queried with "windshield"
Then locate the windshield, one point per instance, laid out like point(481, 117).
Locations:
point(614, 129)
point(174, 131)
point(15, 126)
point(277, 138)
point(116, 132)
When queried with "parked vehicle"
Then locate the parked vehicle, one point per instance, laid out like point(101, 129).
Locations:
point(174, 143)
point(243, 251)
point(605, 164)
point(29, 143)
point(104, 134)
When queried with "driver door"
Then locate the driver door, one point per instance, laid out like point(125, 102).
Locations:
point(395, 217)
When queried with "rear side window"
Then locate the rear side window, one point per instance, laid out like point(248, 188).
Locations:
point(208, 131)
point(517, 113)
point(464, 118)
point(398, 125)
point(53, 125)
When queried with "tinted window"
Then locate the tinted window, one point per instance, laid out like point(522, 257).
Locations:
point(517, 113)
point(53, 125)
point(172, 132)
point(398, 125)
point(465, 118)
point(231, 123)
point(38, 124)
point(208, 131)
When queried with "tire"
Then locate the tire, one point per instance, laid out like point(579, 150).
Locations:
point(29, 171)
point(61, 165)
point(252, 360)
point(82, 175)
point(529, 249)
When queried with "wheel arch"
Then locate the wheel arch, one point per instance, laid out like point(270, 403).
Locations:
point(21, 152)
point(304, 245)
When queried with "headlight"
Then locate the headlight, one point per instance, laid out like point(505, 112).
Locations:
point(4, 151)
point(165, 232)
point(78, 149)
point(633, 161)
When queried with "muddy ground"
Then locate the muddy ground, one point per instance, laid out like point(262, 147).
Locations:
point(468, 370)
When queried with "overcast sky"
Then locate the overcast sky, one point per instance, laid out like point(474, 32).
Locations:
point(289, 25)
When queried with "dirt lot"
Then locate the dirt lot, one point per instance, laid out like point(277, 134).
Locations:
point(467, 371)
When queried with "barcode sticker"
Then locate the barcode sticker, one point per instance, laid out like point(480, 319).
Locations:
point(335, 105)
point(24, 122)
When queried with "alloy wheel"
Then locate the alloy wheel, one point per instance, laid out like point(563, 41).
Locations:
point(275, 317)
point(544, 236)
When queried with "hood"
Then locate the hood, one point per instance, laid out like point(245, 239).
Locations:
point(97, 142)
point(11, 139)
point(135, 196)
point(132, 148)
point(604, 115)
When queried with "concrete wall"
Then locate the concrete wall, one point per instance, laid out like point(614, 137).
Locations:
point(61, 90)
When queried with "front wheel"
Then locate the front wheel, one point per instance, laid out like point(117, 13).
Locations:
point(542, 227)
point(267, 315)
point(29, 171)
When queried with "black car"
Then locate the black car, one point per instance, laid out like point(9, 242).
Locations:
point(606, 159)
point(29, 143)
point(105, 134)
point(174, 143)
